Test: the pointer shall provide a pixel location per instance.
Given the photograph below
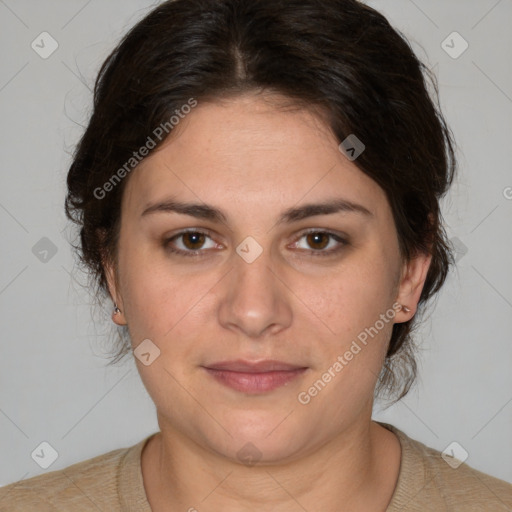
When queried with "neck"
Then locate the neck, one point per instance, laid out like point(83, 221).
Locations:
point(356, 470)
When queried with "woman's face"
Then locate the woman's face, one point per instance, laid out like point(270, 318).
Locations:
point(250, 284)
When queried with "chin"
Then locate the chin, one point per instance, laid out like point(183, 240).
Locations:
point(249, 452)
point(262, 437)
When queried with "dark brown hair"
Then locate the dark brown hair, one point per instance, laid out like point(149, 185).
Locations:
point(340, 57)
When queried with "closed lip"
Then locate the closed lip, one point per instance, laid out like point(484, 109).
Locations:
point(254, 366)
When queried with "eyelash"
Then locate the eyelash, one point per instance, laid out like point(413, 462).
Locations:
point(201, 253)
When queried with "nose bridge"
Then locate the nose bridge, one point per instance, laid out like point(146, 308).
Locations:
point(253, 267)
point(255, 298)
point(253, 276)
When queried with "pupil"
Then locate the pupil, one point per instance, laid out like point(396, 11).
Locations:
point(198, 238)
point(315, 236)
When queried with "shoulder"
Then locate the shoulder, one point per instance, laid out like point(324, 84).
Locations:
point(430, 481)
point(86, 485)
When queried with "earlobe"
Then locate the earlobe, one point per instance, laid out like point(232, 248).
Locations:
point(110, 276)
point(117, 314)
point(411, 285)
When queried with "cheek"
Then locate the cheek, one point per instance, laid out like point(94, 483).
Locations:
point(356, 294)
point(162, 303)
point(357, 307)
point(147, 290)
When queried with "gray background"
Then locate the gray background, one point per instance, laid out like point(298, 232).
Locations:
point(54, 385)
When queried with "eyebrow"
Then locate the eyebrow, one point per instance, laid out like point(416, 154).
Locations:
point(211, 213)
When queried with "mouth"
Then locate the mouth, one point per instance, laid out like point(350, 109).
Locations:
point(254, 377)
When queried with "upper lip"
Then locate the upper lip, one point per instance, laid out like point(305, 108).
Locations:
point(254, 366)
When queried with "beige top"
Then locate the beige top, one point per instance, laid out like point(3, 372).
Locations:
point(113, 482)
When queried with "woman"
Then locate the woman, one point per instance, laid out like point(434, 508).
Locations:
point(258, 193)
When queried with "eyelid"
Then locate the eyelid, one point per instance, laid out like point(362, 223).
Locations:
point(340, 238)
point(198, 252)
point(326, 231)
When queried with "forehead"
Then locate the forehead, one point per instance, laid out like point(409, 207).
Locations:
point(249, 151)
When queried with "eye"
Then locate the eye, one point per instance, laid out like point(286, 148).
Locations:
point(319, 240)
point(192, 244)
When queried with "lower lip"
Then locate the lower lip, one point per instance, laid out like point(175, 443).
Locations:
point(255, 383)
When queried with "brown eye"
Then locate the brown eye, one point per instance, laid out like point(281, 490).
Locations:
point(318, 240)
point(189, 243)
point(193, 240)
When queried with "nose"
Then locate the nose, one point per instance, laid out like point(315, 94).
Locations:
point(255, 299)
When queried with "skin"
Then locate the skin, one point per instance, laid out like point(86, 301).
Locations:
point(253, 160)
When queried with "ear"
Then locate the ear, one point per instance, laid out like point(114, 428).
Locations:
point(112, 283)
point(411, 285)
